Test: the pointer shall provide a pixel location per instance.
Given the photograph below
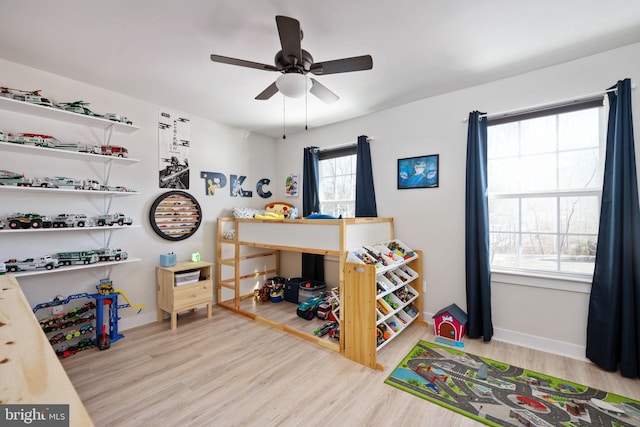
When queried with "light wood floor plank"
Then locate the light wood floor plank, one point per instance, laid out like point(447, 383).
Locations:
point(232, 371)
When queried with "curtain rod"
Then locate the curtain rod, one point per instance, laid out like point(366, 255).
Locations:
point(347, 145)
point(546, 105)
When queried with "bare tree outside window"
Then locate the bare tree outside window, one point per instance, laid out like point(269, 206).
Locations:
point(545, 183)
point(338, 186)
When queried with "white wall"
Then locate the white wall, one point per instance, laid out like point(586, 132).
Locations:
point(433, 219)
point(214, 147)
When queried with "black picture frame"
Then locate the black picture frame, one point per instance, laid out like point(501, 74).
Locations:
point(175, 215)
point(419, 172)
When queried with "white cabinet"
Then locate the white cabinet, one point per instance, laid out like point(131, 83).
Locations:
point(101, 199)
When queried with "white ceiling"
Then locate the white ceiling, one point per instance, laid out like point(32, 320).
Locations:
point(158, 50)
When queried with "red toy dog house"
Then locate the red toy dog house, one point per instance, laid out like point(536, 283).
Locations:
point(450, 323)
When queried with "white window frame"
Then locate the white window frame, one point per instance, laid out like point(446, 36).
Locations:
point(333, 153)
point(573, 282)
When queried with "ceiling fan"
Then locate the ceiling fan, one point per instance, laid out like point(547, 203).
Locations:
point(295, 63)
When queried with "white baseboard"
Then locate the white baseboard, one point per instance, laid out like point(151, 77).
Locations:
point(141, 319)
point(548, 345)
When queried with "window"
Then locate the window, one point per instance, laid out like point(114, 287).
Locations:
point(338, 182)
point(545, 185)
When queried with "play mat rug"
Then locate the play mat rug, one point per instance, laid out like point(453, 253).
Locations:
point(498, 394)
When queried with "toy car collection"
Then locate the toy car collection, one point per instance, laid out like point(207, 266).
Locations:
point(56, 182)
point(78, 107)
point(20, 221)
point(56, 260)
point(48, 141)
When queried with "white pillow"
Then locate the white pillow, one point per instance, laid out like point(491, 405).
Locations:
point(246, 212)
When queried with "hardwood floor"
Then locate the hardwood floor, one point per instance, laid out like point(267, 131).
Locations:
point(232, 371)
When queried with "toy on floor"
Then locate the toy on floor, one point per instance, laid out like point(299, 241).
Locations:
point(272, 290)
point(327, 309)
point(335, 332)
point(106, 333)
point(449, 325)
point(308, 309)
point(324, 329)
point(103, 340)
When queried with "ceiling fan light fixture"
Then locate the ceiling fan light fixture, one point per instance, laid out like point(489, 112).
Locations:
point(293, 85)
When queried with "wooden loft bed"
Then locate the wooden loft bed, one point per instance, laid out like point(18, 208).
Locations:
point(258, 242)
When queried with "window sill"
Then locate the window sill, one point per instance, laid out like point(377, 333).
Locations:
point(579, 284)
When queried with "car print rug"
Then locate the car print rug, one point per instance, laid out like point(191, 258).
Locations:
point(498, 394)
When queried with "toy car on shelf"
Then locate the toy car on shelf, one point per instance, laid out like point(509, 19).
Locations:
point(32, 97)
point(79, 107)
point(91, 184)
point(86, 329)
point(116, 218)
point(65, 182)
point(72, 220)
point(117, 118)
point(43, 183)
point(42, 262)
point(57, 338)
point(77, 257)
point(109, 254)
point(79, 147)
point(14, 178)
point(72, 334)
point(28, 220)
point(37, 139)
point(114, 150)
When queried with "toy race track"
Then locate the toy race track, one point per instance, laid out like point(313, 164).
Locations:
point(499, 394)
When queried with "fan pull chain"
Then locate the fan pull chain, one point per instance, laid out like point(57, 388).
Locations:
point(306, 104)
point(284, 118)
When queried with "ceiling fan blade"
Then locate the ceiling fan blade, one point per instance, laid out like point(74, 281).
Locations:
point(290, 37)
point(242, 63)
point(268, 92)
point(345, 65)
point(322, 92)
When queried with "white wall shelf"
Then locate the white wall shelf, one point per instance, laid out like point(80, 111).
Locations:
point(64, 229)
point(65, 116)
point(66, 269)
point(69, 190)
point(56, 152)
point(108, 126)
